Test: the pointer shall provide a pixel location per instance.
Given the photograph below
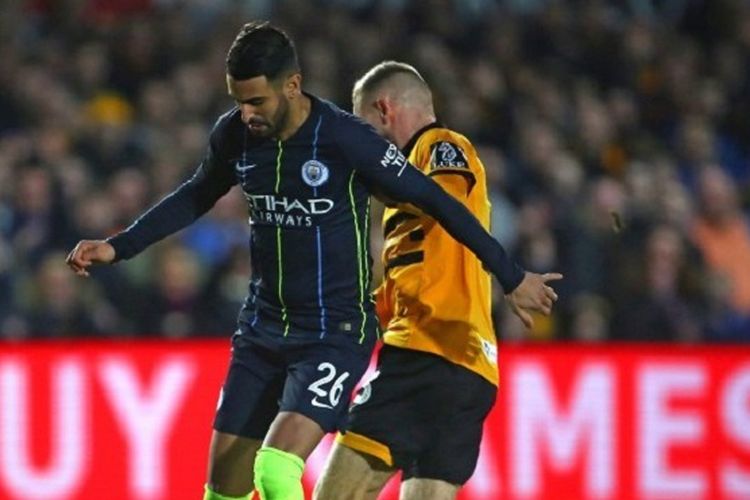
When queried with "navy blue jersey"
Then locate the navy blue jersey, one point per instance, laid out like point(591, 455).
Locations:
point(308, 203)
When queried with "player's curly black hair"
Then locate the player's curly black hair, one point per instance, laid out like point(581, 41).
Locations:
point(261, 49)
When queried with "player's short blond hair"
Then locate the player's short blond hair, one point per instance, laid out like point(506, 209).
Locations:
point(402, 80)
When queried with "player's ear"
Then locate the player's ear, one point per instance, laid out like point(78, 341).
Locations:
point(383, 107)
point(293, 86)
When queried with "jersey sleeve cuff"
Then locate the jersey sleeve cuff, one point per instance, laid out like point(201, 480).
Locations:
point(123, 249)
point(511, 277)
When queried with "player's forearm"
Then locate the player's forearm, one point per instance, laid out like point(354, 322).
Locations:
point(464, 227)
point(176, 211)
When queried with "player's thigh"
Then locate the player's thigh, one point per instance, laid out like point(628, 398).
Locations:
point(453, 452)
point(427, 489)
point(393, 414)
point(248, 402)
point(230, 463)
point(351, 475)
point(247, 405)
point(320, 380)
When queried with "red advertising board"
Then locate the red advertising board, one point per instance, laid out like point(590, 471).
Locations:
point(124, 420)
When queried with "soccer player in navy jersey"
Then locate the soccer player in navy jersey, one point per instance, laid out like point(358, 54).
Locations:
point(307, 328)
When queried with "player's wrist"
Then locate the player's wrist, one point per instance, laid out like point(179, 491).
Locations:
point(510, 275)
point(119, 246)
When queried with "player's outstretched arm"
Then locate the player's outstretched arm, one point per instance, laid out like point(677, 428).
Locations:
point(387, 171)
point(179, 209)
point(87, 253)
point(526, 291)
point(412, 186)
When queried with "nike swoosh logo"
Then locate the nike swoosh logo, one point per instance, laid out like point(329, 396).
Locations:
point(240, 167)
point(321, 405)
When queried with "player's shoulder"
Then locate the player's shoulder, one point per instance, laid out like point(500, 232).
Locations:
point(334, 113)
point(230, 119)
point(439, 134)
point(327, 109)
point(447, 150)
point(228, 128)
point(346, 129)
point(336, 116)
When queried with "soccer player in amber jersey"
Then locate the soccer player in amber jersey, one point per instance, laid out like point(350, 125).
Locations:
point(422, 412)
point(306, 330)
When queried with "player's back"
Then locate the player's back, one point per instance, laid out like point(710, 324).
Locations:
point(436, 291)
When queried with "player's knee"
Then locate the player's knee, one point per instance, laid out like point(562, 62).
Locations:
point(278, 475)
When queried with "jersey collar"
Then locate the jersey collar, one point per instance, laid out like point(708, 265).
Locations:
point(413, 141)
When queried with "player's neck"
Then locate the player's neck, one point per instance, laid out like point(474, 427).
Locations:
point(299, 110)
point(410, 126)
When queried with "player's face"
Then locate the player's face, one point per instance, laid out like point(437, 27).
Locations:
point(263, 105)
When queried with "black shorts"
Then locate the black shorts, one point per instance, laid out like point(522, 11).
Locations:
point(421, 414)
point(272, 373)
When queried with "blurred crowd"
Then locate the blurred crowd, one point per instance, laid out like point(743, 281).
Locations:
point(615, 137)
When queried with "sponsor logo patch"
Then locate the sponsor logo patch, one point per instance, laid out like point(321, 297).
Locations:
point(446, 155)
point(490, 351)
point(394, 157)
point(365, 392)
point(286, 211)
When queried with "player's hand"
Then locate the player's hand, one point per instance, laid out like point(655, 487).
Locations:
point(533, 294)
point(87, 253)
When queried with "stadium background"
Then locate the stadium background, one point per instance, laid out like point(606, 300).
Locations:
point(579, 109)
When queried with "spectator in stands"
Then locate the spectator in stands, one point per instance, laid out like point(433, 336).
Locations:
point(722, 232)
point(667, 308)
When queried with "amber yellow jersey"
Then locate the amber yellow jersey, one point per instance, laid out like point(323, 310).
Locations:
point(436, 296)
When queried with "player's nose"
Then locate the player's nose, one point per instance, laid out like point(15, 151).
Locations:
point(248, 113)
